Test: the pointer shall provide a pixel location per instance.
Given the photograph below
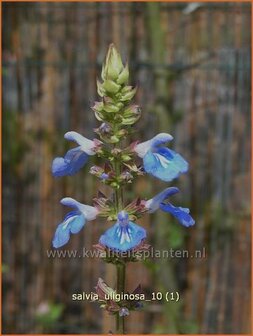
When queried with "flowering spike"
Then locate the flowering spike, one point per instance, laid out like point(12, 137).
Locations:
point(118, 167)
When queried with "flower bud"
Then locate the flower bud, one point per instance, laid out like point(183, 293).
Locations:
point(124, 75)
point(126, 89)
point(131, 110)
point(110, 86)
point(114, 139)
point(109, 107)
point(103, 290)
point(123, 311)
point(129, 121)
point(116, 151)
point(104, 177)
point(128, 95)
point(103, 129)
point(115, 185)
point(125, 157)
point(100, 89)
point(113, 64)
point(98, 106)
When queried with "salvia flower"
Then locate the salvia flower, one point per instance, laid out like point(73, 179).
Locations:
point(124, 235)
point(76, 157)
point(181, 214)
point(161, 161)
point(74, 221)
point(123, 311)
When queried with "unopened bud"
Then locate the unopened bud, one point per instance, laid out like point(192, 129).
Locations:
point(128, 95)
point(111, 108)
point(103, 290)
point(131, 110)
point(113, 64)
point(124, 75)
point(125, 157)
point(111, 86)
point(104, 128)
point(100, 89)
point(98, 106)
point(114, 139)
point(123, 311)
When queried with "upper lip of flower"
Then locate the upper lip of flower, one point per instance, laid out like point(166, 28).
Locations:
point(87, 145)
point(142, 148)
point(153, 204)
point(76, 157)
point(88, 211)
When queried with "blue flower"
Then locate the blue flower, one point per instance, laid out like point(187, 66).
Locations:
point(104, 176)
point(124, 235)
point(181, 214)
point(161, 161)
point(74, 221)
point(76, 157)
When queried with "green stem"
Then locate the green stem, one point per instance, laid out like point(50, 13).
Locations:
point(121, 271)
point(121, 268)
point(118, 192)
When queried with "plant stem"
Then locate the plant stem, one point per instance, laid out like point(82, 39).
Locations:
point(120, 325)
point(121, 267)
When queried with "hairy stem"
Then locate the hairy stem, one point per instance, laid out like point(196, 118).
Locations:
point(121, 268)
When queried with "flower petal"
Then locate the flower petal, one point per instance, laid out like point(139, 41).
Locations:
point(72, 223)
point(77, 224)
point(61, 236)
point(88, 211)
point(161, 138)
point(73, 161)
point(154, 203)
point(123, 238)
point(164, 164)
point(142, 148)
point(181, 214)
point(86, 144)
point(71, 202)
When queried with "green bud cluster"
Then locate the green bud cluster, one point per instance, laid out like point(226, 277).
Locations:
point(115, 110)
point(117, 115)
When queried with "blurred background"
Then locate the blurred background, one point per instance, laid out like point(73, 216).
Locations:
point(191, 62)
